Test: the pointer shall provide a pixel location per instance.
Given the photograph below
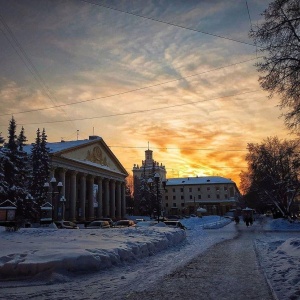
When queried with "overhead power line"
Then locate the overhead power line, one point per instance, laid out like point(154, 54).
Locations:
point(168, 23)
point(186, 149)
point(16, 45)
point(133, 90)
point(137, 111)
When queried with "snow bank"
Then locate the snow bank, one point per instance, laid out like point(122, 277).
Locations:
point(83, 250)
point(279, 255)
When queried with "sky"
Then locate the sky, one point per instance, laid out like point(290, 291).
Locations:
point(178, 76)
point(138, 256)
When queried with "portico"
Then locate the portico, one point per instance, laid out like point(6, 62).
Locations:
point(93, 180)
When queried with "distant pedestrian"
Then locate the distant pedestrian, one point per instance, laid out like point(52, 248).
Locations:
point(237, 219)
point(250, 220)
point(247, 221)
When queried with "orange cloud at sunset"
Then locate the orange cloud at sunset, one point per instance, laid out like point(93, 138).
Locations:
point(191, 90)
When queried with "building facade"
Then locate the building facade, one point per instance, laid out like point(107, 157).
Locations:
point(142, 173)
point(149, 167)
point(183, 196)
point(93, 181)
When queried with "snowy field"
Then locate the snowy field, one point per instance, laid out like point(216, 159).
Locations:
point(119, 257)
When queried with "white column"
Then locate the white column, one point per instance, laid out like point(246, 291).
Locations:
point(112, 201)
point(90, 188)
point(106, 198)
point(123, 200)
point(73, 196)
point(82, 197)
point(99, 198)
point(118, 200)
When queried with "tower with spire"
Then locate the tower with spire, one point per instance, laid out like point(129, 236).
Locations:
point(149, 167)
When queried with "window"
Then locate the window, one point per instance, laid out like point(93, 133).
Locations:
point(226, 196)
point(174, 204)
point(218, 196)
point(166, 197)
point(199, 189)
point(167, 204)
point(190, 190)
point(191, 197)
point(174, 197)
point(199, 196)
point(181, 197)
point(217, 188)
point(182, 204)
point(173, 190)
point(208, 196)
point(208, 188)
point(225, 188)
point(181, 190)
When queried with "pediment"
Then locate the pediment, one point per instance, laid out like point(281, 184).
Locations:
point(96, 154)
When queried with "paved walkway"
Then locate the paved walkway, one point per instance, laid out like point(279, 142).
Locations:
point(228, 270)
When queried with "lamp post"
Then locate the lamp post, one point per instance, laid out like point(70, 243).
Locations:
point(164, 184)
point(157, 178)
point(150, 184)
point(63, 200)
point(53, 192)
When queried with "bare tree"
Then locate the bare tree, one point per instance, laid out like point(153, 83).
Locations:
point(279, 40)
point(273, 171)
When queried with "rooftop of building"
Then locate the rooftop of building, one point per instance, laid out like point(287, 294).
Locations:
point(199, 180)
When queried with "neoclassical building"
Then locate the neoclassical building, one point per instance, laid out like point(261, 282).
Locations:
point(93, 181)
point(214, 193)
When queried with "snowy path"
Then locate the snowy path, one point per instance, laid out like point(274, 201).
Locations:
point(210, 264)
point(116, 282)
point(228, 270)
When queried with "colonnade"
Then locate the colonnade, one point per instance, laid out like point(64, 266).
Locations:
point(87, 196)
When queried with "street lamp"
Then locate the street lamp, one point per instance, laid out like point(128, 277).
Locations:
point(63, 200)
point(156, 178)
point(53, 185)
point(150, 184)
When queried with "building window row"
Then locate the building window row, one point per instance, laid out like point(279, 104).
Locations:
point(190, 190)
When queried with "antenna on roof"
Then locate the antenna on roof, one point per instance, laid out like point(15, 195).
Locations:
point(77, 134)
point(93, 131)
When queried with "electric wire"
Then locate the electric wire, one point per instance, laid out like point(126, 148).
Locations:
point(167, 23)
point(133, 90)
point(26, 60)
point(137, 111)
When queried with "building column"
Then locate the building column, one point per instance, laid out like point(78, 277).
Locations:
point(112, 199)
point(118, 200)
point(73, 194)
point(106, 198)
point(90, 188)
point(123, 200)
point(62, 179)
point(99, 197)
point(82, 197)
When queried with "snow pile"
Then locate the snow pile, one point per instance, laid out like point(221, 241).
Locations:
point(279, 256)
point(282, 225)
point(30, 251)
point(57, 253)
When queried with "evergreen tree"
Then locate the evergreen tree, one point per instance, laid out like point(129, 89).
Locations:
point(40, 164)
point(15, 173)
point(3, 183)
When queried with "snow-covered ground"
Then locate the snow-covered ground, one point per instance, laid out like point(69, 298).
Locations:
point(120, 257)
